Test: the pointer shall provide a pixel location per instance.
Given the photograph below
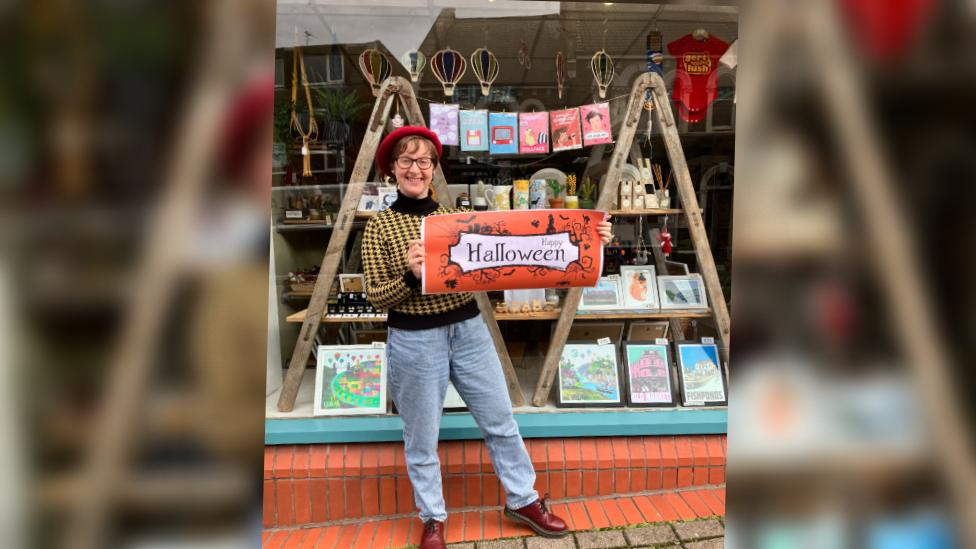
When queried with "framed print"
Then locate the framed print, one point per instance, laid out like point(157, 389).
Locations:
point(647, 368)
point(638, 287)
point(352, 283)
point(605, 296)
point(682, 292)
point(648, 331)
point(589, 376)
point(700, 375)
point(594, 330)
point(452, 399)
point(350, 380)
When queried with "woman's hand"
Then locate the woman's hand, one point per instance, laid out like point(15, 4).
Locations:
point(605, 229)
point(415, 258)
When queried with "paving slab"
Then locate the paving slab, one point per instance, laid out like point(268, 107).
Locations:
point(461, 546)
point(539, 542)
point(606, 539)
point(698, 529)
point(501, 544)
point(717, 543)
point(650, 535)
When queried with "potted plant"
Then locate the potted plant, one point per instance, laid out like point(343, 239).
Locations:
point(556, 187)
point(282, 135)
point(586, 193)
point(341, 109)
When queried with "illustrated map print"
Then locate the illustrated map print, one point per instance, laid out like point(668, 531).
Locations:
point(352, 379)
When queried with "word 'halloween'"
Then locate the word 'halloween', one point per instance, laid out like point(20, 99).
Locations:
point(479, 251)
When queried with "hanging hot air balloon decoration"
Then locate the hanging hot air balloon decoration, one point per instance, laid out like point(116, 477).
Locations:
point(560, 73)
point(375, 68)
point(485, 66)
point(448, 66)
point(415, 62)
point(602, 66)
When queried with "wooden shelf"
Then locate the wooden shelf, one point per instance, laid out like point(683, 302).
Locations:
point(299, 317)
point(654, 211)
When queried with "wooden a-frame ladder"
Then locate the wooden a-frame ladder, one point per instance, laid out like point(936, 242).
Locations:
point(689, 203)
point(393, 89)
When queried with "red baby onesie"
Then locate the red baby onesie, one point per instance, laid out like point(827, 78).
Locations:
point(695, 79)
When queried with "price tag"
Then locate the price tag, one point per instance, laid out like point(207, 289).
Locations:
point(293, 214)
point(661, 341)
point(378, 345)
point(708, 340)
point(603, 341)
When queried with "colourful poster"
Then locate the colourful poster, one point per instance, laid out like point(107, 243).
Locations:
point(702, 381)
point(511, 250)
point(474, 130)
point(648, 374)
point(596, 124)
point(533, 132)
point(504, 132)
point(565, 127)
point(588, 375)
point(444, 122)
point(350, 379)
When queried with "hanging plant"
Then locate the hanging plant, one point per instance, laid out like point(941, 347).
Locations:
point(375, 67)
point(485, 66)
point(602, 66)
point(448, 66)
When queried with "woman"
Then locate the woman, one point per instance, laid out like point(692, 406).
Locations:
point(433, 338)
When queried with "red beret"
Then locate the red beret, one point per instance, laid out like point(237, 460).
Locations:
point(385, 152)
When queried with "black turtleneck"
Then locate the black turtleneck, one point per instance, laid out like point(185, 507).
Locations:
point(414, 206)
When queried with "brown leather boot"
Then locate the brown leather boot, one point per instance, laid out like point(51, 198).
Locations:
point(433, 537)
point(539, 518)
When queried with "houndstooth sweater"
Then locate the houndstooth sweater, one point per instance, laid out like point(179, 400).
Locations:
point(391, 285)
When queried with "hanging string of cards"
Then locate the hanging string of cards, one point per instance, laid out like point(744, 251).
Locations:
point(521, 133)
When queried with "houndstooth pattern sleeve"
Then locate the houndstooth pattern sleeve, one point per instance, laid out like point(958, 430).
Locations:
point(383, 266)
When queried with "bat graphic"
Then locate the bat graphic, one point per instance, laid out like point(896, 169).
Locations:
point(468, 220)
point(535, 223)
point(508, 273)
point(563, 217)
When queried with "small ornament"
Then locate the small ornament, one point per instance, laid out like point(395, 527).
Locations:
point(448, 66)
point(665, 238)
point(397, 120)
point(415, 62)
point(375, 67)
point(560, 73)
point(485, 66)
point(602, 66)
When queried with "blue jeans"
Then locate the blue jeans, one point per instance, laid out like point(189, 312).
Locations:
point(421, 361)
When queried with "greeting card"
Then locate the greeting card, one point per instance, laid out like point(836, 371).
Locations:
point(474, 130)
point(504, 137)
point(596, 124)
point(444, 122)
point(533, 132)
point(565, 130)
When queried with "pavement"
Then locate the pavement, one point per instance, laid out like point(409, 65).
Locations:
point(695, 534)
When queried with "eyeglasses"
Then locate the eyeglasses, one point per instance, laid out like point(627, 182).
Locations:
point(404, 163)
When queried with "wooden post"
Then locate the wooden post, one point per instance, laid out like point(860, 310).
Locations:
point(689, 203)
point(416, 118)
point(337, 244)
point(620, 152)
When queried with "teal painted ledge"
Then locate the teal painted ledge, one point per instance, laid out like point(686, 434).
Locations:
point(532, 425)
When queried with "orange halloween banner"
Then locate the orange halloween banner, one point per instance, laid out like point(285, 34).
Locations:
point(511, 250)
